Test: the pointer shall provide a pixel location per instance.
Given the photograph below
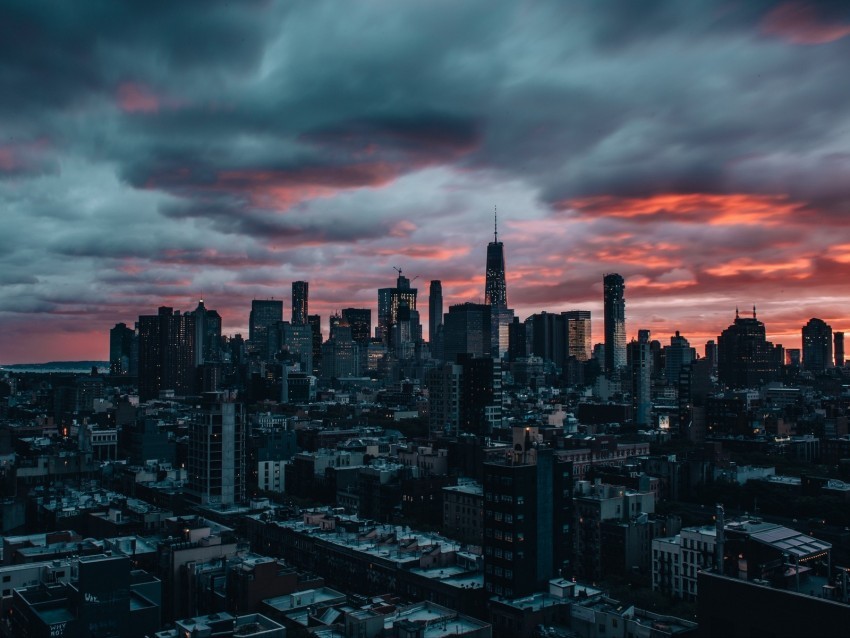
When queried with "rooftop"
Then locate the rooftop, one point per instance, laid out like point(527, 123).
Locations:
point(474, 489)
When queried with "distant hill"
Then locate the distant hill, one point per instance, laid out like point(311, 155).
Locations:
point(57, 366)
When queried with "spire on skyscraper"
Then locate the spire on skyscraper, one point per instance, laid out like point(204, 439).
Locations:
point(495, 225)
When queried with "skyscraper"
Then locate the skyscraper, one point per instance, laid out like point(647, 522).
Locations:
point(676, 356)
point(838, 341)
point(121, 349)
point(299, 303)
point(640, 361)
point(388, 302)
point(207, 334)
point(817, 345)
point(496, 295)
point(166, 353)
point(265, 313)
point(579, 334)
point(614, 303)
point(467, 331)
point(217, 452)
point(495, 288)
point(435, 310)
point(360, 322)
point(745, 358)
point(315, 322)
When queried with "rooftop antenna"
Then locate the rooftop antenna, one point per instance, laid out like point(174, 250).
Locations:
point(736, 312)
point(754, 311)
point(495, 225)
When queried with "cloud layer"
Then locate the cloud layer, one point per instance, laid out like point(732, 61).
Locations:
point(155, 152)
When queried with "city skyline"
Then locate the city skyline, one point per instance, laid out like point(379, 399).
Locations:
point(698, 151)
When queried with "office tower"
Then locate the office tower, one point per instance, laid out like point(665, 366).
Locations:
point(388, 302)
point(640, 361)
point(435, 310)
point(466, 329)
point(315, 322)
point(207, 335)
point(517, 340)
point(838, 342)
point(496, 295)
point(360, 322)
point(793, 357)
point(527, 517)
point(548, 337)
point(495, 288)
point(296, 343)
point(693, 389)
point(711, 353)
point(817, 346)
point(340, 354)
point(614, 303)
point(444, 392)
point(745, 358)
point(216, 457)
point(677, 355)
point(406, 332)
point(300, 291)
point(166, 354)
point(465, 397)
point(120, 349)
point(579, 334)
point(264, 314)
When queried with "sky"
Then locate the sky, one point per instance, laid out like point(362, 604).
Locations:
point(156, 152)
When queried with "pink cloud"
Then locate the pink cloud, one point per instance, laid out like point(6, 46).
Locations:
point(137, 98)
point(802, 23)
point(715, 209)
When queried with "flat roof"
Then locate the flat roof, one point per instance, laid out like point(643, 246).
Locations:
point(792, 542)
point(304, 598)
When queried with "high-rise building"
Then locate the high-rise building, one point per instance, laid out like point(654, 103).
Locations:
point(360, 322)
point(466, 329)
point(315, 322)
point(265, 313)
point(838, 342)
point(388, 303)
point(121, 348)
point(300, 312)
point(207, 335)
point(548, 334)
point(496, 295)
point(640, 361)
point(495, 288)
point(517, 340)
point(745, 358)
point(711, 353)
point(435, 310)
point(166, 354)
point(406, 332)
point(340, 354)
point(817, 345)
point(579, 334)
point(297, 342)
point(677, 355)
point(216, 463)
point(614, 303)
point(527, 517)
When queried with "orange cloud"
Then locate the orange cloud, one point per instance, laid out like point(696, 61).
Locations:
point(801, 23)
point(796, 268)
point(713, 209)
point(423, 251)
